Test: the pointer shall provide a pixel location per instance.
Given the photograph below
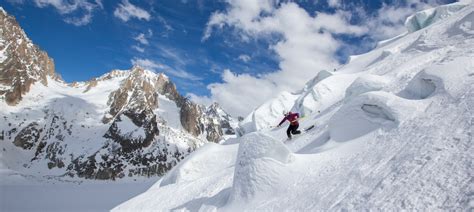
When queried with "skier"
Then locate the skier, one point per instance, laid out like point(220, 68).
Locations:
point(293, 119)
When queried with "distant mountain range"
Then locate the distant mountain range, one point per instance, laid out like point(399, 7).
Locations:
point(124, 123)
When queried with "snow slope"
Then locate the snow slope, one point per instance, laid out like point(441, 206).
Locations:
point(394, 132)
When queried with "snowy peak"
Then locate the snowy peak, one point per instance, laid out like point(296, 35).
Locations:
point(138, 92)
point(224, 120)
point(22, 63)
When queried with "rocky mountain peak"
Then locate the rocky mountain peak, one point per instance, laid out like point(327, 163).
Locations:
point(224, 120)
point(22, 63)
point(113, 74)
point(137, 93)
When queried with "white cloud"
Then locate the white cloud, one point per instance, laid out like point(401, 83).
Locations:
point(239, 94)
point(165, 24)
point(308, 46)
point(245, 58)
point(334, 3)
point(142, 39)
point(126, 10)
point(79, 21)
point(138, 48)
point(66, 8)
point(202, 100)
point(159, 67)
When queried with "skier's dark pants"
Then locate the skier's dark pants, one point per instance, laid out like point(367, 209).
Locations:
point(292, 129)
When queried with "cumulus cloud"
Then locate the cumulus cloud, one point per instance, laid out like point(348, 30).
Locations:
point(126, 10)
point(159, 67)
point(241, 93)
point(202, 100)
point(307, 46)
point(70, 9)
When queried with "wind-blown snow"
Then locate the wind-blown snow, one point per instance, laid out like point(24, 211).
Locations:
point(393, 132)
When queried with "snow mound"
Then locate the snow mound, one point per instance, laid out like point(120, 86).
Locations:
point(209, 169)
point(427, 17)
point(453, 75)
point(323, 94)
point(450, 77)
point(366, 83)
point(260, 166)
point(369, 112)
point(193, 167)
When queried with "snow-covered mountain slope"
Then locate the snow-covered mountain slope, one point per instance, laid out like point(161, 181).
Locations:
point(124, 123)
point(394, 132)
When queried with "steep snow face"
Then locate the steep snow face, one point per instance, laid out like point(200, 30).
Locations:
point(268, 114)
point(394, 132)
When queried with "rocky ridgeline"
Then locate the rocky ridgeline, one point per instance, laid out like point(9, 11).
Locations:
point(22, 63)
point(135, 140)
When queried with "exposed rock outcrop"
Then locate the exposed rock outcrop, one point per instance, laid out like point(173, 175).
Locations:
point(21, 62)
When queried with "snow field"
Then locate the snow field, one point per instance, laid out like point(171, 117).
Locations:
point(394, 132)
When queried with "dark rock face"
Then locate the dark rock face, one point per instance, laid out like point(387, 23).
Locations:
point(219, 120)
point(24, 63)
point(137, 94)
point(52, 145)
point(127, 141)
point(28, 136)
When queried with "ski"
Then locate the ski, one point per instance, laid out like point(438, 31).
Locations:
point(309, 128)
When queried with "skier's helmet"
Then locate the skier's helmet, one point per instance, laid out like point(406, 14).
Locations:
point(285, 113)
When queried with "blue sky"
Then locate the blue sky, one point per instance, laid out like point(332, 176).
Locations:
point(213, 50)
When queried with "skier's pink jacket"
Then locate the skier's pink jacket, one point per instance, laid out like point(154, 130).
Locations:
point(292, 118)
